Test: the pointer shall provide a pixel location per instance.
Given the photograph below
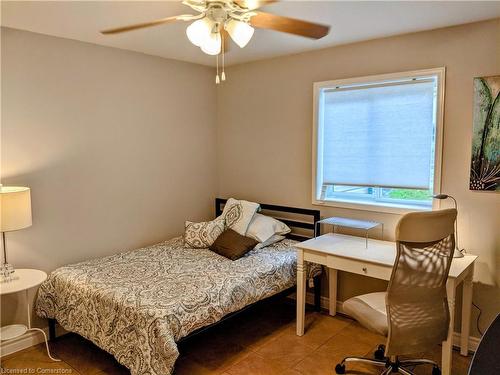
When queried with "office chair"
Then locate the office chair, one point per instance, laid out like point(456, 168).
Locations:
point(413, 313)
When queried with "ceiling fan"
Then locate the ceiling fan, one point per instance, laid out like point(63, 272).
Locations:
point(237, 18)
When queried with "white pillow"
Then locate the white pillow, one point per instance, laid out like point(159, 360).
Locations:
point(263, 227)
point(239, 214)
point(203, 235)
point(274, 238)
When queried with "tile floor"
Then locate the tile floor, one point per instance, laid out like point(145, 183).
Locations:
point(260, 341)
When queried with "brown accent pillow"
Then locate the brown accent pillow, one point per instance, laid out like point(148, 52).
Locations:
point(232, 245)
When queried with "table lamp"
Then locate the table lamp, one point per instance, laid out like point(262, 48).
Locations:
point(15, 214)
point(459, 253)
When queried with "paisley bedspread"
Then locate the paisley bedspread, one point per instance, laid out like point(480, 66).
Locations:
point(136, 305)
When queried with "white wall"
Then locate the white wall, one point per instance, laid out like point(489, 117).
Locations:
point(265, 113)
point(118, 148)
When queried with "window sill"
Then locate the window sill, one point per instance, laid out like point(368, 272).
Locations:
point(391, 208)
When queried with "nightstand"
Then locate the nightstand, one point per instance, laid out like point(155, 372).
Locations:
point(26, 279)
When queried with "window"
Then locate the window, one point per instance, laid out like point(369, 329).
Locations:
point(377, 141)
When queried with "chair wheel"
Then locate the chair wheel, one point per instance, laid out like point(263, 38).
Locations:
point(436, 371)
point(380, 352)
point(340, 369)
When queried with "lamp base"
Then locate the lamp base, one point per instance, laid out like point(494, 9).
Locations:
point(458, 254)
point(7, 273)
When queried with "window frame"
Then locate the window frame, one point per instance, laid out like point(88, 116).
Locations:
point(378, 206)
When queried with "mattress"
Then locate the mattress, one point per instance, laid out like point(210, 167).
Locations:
point(136, 305)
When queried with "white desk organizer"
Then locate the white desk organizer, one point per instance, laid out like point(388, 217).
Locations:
point(365, 225)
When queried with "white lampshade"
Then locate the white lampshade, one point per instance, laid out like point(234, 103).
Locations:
point(212, 45)
point(199, 31)
point(240, 32)
point(15, 208)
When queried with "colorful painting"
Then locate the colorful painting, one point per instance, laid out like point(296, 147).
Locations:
point(485, 165)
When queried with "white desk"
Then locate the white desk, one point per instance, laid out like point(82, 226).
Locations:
point(347, 253)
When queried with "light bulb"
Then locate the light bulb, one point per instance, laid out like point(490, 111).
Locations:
point(240, 32)
point(199, 31)
point(212, 44)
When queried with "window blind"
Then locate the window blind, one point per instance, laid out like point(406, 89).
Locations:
point(379, 135)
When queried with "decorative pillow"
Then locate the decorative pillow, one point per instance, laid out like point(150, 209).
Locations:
point(238, 214)
point(202, 235)
point(232, 245)
point(263, 227)
point(273, 239)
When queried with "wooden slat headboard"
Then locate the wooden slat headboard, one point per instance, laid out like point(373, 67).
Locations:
point(307, 221)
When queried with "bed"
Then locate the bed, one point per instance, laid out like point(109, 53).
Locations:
point(137, 305)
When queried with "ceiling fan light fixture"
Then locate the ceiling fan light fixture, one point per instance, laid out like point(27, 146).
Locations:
point(199, 31)
point(215, 19)
point(241, 32)
point(212, 44)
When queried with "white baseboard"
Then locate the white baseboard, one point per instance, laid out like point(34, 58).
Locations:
point(27, 340)
point(473, 341)
point(22, 342)
point(325, 304)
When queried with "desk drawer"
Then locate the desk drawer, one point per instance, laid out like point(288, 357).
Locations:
point(362, 268)
point(316, 257)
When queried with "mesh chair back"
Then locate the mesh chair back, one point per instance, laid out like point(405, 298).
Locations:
point(417, 306)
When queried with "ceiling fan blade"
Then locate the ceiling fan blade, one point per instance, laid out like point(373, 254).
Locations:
point(253, 4)
point(161, 21)
point(264, 20)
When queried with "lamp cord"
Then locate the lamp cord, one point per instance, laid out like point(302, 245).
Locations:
point(456, 225)
point(478, 318)
point(462, 251)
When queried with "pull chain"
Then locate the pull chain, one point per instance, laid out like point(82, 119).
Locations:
point(217, 79)
point(223, 75)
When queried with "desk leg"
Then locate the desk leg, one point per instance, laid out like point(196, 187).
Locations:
point(466, 312)
point(448, 344)
point(301, 292)
point(332, 286)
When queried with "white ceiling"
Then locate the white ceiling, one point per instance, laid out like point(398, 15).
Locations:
point(350, 22)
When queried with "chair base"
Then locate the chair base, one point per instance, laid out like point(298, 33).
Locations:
point(392, 365)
